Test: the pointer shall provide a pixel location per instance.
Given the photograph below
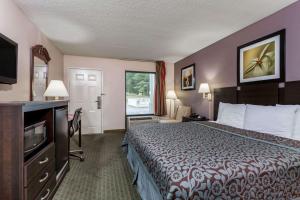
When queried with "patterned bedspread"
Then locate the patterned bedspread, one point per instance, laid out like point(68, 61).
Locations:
point(203, 160)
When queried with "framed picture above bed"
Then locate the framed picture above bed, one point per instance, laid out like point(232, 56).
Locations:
point(188, 81)
point(262, 60)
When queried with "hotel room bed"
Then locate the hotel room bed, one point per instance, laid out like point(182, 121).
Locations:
point(206, 160)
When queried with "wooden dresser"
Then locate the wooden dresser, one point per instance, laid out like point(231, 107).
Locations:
point(38, 175)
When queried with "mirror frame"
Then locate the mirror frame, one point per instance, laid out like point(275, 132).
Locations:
point(40, 52)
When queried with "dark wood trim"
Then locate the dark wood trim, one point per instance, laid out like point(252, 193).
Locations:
point(259, 94)
point(41, 105)
point(194, 68)
point(290, 93)
point(282, 34)
point(40, 52)
point(32, 167)
point(11, 144)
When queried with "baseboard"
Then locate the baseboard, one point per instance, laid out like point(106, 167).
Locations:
point(115, 131)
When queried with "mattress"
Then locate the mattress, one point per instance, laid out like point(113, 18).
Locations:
point(204, 160)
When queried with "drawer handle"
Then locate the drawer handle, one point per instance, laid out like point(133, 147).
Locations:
point(46, 195)
point(45, 178)
point(44, 161)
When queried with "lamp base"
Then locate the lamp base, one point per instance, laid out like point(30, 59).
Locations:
point(207, 96)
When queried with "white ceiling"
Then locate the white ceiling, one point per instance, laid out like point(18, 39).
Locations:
point(143, 29)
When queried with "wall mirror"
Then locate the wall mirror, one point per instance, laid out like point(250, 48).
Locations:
point(38, 72)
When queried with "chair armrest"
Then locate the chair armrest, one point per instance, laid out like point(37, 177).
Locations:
point(165, 117)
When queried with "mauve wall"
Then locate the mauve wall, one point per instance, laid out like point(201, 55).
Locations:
point(217, 63)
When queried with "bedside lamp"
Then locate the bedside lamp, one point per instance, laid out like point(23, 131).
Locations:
point(56, 88)
point(172, 96)
point(204, 88)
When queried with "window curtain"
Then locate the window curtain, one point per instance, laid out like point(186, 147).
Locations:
point(160, 89)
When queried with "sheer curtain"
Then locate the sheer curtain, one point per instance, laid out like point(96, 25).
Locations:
point(160, 89)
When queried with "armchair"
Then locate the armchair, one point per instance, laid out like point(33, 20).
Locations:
point(182, 111)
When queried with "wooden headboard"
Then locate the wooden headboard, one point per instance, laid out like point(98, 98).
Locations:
point(258, 94)
point(290, 94)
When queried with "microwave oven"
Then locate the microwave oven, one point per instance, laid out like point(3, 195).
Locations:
point(34, 137)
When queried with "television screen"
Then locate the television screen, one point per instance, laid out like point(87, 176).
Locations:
point(8, 60)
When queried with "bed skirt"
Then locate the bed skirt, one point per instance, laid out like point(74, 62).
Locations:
point(145, 184)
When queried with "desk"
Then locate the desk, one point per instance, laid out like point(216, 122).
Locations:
point(19, 173)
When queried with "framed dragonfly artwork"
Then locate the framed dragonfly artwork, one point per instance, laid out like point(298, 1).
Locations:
point(262, 60)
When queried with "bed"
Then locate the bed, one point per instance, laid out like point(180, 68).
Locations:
point(203, 160)
point(207, 160)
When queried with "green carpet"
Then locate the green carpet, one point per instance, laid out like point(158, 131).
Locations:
point(104, 175)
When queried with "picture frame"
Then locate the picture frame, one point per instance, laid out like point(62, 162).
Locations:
point(262, 60)
point(188, 81)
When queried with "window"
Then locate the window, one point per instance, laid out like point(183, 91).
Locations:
point(140, 93)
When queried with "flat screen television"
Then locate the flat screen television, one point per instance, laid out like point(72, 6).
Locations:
point(8, 60)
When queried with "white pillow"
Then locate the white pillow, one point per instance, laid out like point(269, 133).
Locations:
point(221, 106)
point(232, 114)
point(270, 119)
point(296, 126)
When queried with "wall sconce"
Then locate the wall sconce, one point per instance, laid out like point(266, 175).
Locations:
point(204, 88)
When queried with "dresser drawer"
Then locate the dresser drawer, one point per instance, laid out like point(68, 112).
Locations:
point(47, 191)
point(35, 165)
point(37, 183)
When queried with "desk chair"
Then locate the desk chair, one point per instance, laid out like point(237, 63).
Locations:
point(74, 126)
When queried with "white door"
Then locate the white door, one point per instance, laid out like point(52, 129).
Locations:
point(85, 88)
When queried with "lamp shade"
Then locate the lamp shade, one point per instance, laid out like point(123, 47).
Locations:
point(56, 88)
point(171, 94)
point(204, 88)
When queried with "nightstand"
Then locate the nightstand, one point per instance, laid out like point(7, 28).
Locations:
point(189, 119)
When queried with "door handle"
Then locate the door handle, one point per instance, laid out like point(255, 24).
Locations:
point(99, 102)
